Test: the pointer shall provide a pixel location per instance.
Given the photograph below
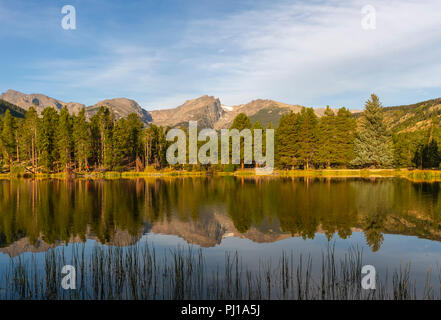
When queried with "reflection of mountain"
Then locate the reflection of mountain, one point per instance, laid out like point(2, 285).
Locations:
point(413, 224)
point(120, 238)
point(211, 232)
point(36, 215)
point(24, 245)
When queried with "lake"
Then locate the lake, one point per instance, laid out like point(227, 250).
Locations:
point(257, 221)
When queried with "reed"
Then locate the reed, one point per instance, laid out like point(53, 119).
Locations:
point(138, 272)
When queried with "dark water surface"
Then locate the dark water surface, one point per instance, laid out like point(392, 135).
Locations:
point(394, 221)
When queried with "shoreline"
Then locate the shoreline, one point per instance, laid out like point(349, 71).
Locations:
point(415, 175)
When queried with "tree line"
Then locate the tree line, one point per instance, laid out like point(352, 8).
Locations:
point(58, 141)
point(338, 140)
point(55, 142)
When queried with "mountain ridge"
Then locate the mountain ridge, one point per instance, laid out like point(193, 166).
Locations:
point(209, 112)
point(38, 101)
point(121, 107)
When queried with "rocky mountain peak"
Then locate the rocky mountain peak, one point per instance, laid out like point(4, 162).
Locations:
point(121, 107)
point(207, 110)
point(38, 101)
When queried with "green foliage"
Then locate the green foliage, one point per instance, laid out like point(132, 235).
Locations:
point(346, 128)
point(13, 109)
point(155, 146)
point(28, 137)
point(373, 145)
point(56, 142)
point(408, 117)
point(47, 139)
point(64, 138)
point(82, 138)
point(405, 147)
point(307, 142)
point(102, 124)
point(18, 171)
point(287, 135)
point(427, 156)
point(327, 139)
point(241, 122)
point(229, 167)
point(7, 137)
point(270, 115)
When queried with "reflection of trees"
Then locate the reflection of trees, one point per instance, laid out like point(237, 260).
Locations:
point(61, 210)
point(375, 200)
point(429, 193)
point(427, 155)
point(373, 226)
point(245, 205)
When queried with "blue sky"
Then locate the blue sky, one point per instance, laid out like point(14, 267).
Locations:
point(164, 52)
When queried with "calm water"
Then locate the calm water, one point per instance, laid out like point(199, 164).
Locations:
point(393, 220)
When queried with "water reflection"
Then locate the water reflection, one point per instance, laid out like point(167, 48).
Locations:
point(38, 214)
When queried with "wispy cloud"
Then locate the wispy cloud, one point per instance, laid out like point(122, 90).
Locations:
point(306, 52)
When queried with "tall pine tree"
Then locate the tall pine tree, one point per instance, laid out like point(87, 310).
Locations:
point(30, 129)
point(373, 145)
point(345, 130)
point(286, 144)
point(326, 139)
point(8, 138)
point(307, 137)
point(241, 122)
point(65, 139)
point(82, 137)
point(47, 143)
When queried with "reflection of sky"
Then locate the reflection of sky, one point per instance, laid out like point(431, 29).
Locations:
point(421, 253)
point(395, 250)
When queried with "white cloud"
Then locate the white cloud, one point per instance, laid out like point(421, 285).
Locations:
point(120, 70)
point(294, 52)
point(303, 51)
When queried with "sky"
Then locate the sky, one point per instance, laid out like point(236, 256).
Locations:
point(164, 52)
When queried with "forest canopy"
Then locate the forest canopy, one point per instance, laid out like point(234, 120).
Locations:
point(59, 141)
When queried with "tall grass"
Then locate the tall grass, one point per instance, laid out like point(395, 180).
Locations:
point(138, 272)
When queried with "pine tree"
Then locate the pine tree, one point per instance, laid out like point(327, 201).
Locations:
point(307, 137)
point(47, 144)
point(82, 140)
point(120, 142)
point(65, 139)
point(147, 139)
point(258, 126)
point(373, 145)
point(155, 146)
point(102, 124)
point(8, 138)
point(345, 130)
point(30, 129)
point(427, 153)
point(2, 151)
point(287, 135)
point(326, 139)
point(241, 122)
point(134, 132)
point(20, 141)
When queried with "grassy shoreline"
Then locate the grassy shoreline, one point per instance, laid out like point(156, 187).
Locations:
point(414, 175)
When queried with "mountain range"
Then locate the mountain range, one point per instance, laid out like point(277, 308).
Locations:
point(211, 113)
point(208, 111)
